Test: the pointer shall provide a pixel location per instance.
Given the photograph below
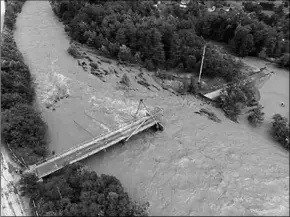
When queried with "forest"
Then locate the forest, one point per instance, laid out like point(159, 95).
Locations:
point(173, 37)
point(76, 191)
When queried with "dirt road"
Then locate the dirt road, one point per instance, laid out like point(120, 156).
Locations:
point(194, 167)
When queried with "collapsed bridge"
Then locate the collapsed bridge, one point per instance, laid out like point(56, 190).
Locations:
point(95, 145)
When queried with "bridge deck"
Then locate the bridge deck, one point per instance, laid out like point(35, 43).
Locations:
point(258, 78)
point(87, 149)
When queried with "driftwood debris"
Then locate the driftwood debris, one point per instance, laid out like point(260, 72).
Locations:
point(212, 116)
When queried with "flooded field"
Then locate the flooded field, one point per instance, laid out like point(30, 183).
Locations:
point(195, 167)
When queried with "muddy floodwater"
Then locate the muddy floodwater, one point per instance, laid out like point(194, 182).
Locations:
point(194, 167)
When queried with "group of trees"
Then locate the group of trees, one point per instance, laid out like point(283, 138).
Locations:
point(136, 31)
point(236, 97)
point(22, 128)
point(246, 34)
point(280, 130)
point(75, 191)
point(277, 26)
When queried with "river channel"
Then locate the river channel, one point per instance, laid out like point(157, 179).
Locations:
point(194, 167)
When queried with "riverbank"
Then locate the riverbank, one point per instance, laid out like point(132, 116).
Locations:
point(20, 122)
point(194, 167)
point(12, 203)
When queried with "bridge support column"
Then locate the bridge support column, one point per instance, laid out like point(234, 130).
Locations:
point(158, 126)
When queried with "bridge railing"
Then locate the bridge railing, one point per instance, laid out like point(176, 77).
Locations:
point(248, 79)
point(155, 112)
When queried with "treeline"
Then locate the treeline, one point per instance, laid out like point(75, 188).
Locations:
point(75, 191)
point(245, 34)
point(279, 22)
point(136, 31)
point(170, 38)
point(22, 128)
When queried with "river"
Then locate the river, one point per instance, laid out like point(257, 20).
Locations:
point(194, 167)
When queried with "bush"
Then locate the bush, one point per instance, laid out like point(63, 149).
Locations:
point(280, 130)
point(284, 61)
point(125, 53)
point(256, 116)
point(125, 80)
point(94, 65)
point(76, 191)
point(72, 50)
point(148, 64)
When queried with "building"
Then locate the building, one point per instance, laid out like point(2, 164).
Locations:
point(184, 3)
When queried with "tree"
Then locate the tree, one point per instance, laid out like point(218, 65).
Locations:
point(125, 53)
point(256, 116)
point(190, 63)
point(284, 61)
point(121, 36)
point(158, 56)
point(175, 50)
point(243, 42)
point(148, 64)
point(75, 191)
point(280, 130)
point(233, 99)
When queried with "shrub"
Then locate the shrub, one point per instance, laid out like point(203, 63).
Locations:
point(125, 53)
point(125, 80)
point(256, 116)
point(280, 130)
point(284, 61)
point(190, 63)
point(79, 192)
point(72, 50)
point(94, 65)
point(193, 87)
point(148, 64)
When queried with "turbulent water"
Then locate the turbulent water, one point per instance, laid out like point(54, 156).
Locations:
point(194, 167)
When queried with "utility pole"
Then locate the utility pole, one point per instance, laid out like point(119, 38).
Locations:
point(200, 71)
point(59, 192)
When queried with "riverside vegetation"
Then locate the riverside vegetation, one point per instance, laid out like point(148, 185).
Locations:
point(22, 127)
point(82, 193)
point(137, 32)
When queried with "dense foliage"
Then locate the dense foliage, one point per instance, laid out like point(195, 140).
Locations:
point(79, 192)
point(236, 97)
point(280, 130)
point(21, 125)
point(136, 31)
point(249, 32)
point(256, 115)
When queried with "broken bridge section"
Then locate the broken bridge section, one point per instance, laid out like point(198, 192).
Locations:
point(95, 145)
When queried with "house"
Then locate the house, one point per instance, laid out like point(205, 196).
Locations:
point(212, 9)
point(184, 3)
